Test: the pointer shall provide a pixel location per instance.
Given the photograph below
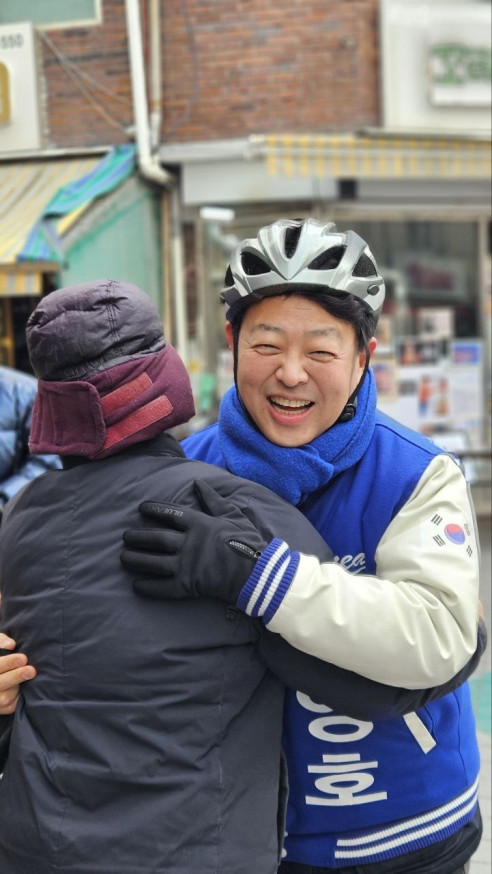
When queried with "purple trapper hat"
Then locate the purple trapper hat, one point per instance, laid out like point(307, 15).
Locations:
point(107, 377)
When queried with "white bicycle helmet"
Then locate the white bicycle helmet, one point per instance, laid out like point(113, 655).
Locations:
point(301, 254)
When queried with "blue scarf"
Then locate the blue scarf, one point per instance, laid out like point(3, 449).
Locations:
point(293, 473)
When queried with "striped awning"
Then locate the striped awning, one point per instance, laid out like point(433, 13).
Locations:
point(351, 156)
point(14, 282)
point(40, 201)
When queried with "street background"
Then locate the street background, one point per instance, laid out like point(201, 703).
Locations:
point(141, 139)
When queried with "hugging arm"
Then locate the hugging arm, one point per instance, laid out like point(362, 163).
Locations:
point(213, 552)
point(349, 693)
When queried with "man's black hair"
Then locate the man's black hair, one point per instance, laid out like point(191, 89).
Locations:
point(340, 304)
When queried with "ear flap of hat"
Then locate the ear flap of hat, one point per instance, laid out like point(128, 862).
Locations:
point(67, 417)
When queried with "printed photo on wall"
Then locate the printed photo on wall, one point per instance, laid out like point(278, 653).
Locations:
point(384, 334)
point(433, 396)
point(386, 376)
point(418, 351)
point(435, 322)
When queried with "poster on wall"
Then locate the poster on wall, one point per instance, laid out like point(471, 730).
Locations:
point(435, 322)
point(384, 334)
point(467, 390)
point(386, 378)
point(431, 276)
point(419, 351)
point(436, 395)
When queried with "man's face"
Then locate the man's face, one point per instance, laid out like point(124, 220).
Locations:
point(297, 367)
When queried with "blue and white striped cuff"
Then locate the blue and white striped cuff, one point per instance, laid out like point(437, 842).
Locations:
point(269, 581)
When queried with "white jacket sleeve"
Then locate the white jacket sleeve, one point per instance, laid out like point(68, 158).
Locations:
point(414, 624)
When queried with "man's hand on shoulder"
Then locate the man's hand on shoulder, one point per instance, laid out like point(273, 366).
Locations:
point(210, 550)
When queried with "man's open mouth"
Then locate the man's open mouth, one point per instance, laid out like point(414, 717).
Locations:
point(289, 405)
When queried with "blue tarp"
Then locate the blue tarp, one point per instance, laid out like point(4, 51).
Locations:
point(43, 242)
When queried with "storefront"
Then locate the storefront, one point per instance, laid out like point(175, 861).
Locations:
point(432, 363)
point(418, 189)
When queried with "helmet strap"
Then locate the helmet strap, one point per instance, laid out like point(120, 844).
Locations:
point(350, 407)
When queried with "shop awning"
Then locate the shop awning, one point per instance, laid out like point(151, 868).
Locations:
point(353, 156)
point(40, 201)
point(16, 281)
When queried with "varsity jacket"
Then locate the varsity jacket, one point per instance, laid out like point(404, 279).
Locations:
point(150, 740)
point(399, 603)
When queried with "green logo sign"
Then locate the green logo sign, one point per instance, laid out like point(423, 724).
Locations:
point(456, 64)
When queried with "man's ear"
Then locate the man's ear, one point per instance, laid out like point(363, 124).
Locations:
point(229, 332)
point(372, 346)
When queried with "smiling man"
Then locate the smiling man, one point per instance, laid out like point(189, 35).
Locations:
point(398, 604)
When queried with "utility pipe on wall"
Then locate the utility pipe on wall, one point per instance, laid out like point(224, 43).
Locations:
point(155, 73)
point(149, 165)
point(148, 162)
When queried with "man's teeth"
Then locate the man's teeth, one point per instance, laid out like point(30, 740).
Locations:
point(290, 404)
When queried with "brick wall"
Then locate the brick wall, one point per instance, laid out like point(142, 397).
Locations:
point(229, 68)
point(276, 65)
point(81, 111)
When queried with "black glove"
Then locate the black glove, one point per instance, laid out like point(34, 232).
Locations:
point(196, 552)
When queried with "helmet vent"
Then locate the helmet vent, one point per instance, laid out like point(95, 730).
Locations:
point(229, 279)
point(364, 267)
point(252, 265)
point(292, 235)
point(328, 260)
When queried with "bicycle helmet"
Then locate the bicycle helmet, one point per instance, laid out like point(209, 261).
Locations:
point(305, 253)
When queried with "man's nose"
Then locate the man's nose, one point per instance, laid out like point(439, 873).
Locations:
point(291, 371)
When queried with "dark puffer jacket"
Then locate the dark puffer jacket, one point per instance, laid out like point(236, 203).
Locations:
point(150, 739)
point(17, 465)
point(149, 742)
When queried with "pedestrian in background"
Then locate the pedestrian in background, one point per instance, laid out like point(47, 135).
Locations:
point(17, 464)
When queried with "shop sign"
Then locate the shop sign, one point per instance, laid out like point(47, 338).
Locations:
point(20, 127)
point(460, 74)
point(4, 95)
point(436, 65)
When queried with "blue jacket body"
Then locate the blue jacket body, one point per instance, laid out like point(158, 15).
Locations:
point(363, 792)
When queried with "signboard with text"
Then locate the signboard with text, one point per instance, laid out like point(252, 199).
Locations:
point(436, 65)
point(20, 128)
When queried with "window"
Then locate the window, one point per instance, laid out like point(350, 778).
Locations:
point(51, 13)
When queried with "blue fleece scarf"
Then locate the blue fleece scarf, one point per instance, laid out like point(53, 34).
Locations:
point(294, 473)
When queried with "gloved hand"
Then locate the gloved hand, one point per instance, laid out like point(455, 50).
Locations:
point(195, 552)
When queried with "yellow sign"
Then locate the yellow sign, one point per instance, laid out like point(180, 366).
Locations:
point(4, 94)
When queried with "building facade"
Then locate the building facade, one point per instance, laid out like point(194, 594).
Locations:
point(372, 113)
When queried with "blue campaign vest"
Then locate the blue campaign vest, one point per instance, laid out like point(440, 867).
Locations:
point(361, 792)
